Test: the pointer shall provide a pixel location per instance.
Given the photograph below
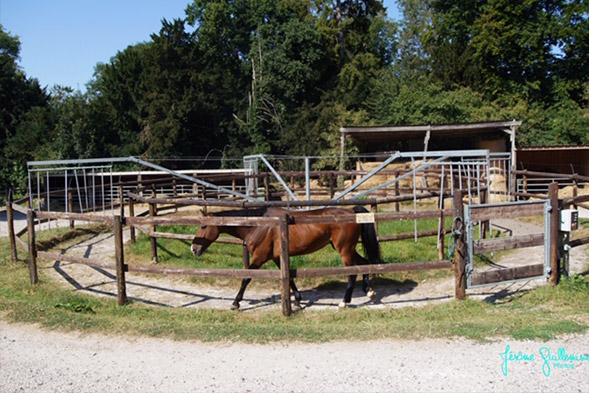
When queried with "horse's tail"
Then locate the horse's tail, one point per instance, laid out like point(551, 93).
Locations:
point(369, 238)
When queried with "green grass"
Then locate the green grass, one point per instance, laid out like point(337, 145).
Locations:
point(543, 313)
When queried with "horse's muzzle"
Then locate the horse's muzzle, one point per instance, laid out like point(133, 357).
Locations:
point(197, 250)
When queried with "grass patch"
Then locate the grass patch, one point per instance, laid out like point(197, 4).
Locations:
point(543, 313)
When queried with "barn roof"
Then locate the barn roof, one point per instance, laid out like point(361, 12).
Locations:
point(379, 134)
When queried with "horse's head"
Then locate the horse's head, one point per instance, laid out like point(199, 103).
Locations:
point(204, 237)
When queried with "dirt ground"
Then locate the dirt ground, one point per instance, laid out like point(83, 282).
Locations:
point(41, 361)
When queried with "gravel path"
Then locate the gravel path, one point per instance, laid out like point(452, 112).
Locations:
point(41, 361)
point(36, 361)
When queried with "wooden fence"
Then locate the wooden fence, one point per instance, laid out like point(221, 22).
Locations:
point(283, 275)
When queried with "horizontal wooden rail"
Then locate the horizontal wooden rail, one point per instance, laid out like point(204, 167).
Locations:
point(182, 236)
point(575, 201)
point(226, 221)
point(254, 204)
point(579, 242)
point(512, 211)
point(19, 208)
point(370, 269)
point(404, 236)
point(509, 243)
point(70, 258)
point(516, 273)
point(226, 273)
point(550, 175)
point(325, 219)
point(74, 216)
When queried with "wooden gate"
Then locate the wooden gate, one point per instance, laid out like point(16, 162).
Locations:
point(479, 214)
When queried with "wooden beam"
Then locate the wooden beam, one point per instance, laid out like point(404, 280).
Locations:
point(500, 244)
point(74, 216)
point(554, 224)
point(459, 248)
point(511, 211)
point(515, 273)
point(370, 269)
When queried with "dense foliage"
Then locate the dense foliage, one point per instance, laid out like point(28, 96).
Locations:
point(266, 76)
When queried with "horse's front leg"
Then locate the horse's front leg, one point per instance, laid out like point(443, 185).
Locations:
point(254, 264)
point(239, 297)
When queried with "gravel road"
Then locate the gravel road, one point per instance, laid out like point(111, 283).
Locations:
point(32, 360)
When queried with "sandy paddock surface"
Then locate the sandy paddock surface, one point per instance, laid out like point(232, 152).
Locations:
point(40, 361)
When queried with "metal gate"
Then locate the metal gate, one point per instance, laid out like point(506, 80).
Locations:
point(480, 214)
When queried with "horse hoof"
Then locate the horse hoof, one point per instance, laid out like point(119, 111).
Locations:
point(371, 294)
point(296, 307)
point(235, 307)
point(343, 305)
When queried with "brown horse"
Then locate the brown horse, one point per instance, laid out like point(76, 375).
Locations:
point(263, 243)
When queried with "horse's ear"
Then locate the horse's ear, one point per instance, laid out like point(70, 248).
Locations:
point(204, 213)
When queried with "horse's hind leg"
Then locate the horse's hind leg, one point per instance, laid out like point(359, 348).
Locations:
point(366, 287)
point(349, 291)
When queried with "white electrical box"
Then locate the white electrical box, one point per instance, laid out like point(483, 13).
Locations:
point(569, 220)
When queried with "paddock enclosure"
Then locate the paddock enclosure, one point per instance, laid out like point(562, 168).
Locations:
point(470, 187)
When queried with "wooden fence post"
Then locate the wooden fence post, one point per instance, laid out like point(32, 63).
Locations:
point(554, 222)
point(70, 204)
point(132, 214)
point(459, 248)
point(153, 228)
point(285, 267)
point(10, 223)
point(121, 201)
point(120, 260)
point(397, 192)
point(33, 275)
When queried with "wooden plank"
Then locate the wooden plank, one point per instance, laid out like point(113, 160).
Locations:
point(227, 273)
point(370, 269)
point(509, 243)
point(226, 221)
point(180, 236)
point(21, 243)
point(515, 273)
point(346, 219)
point(73, 259)
point(19, 208)
point(459, 248)
point(403, 236)
point(579, 242)
point(74, 216)
point(510, 211)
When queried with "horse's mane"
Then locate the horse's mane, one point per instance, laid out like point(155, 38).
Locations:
point(242, 213)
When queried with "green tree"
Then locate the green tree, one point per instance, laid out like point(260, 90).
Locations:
point(22, 100)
